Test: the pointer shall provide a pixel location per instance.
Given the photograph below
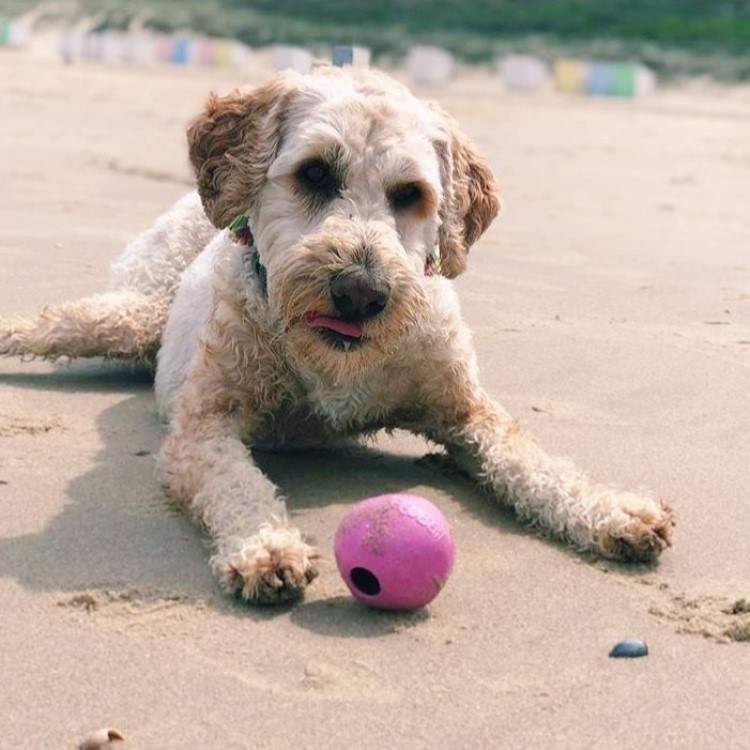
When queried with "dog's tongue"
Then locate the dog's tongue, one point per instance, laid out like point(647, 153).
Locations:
point(340, 326)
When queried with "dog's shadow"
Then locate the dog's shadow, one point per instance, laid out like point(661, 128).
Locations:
point(116, 531)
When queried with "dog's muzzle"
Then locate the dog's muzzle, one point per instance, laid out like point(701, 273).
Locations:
point(358, 296)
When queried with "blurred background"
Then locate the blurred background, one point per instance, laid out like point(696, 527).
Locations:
point(673, 39)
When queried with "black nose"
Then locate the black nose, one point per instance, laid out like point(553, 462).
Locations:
point(358, 294)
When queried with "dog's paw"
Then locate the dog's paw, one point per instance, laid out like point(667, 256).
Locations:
point(639, 529)
point(10, 343)
point(274, 566)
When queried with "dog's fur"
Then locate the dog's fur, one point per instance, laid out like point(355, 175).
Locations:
point(239, 360)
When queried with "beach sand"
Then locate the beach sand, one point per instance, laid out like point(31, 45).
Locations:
point(611, 309)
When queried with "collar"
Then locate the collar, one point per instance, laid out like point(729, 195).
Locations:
point(239, 231)
point(432, 263)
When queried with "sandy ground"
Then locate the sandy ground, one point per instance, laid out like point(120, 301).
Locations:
point(611, 307)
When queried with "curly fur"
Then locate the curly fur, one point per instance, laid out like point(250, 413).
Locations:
point(239, 362)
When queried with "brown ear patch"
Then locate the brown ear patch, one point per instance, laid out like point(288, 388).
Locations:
point(232, 144)
point(476, 191)
point(470, 201)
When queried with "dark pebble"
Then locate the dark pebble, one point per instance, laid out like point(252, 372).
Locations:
point(630, 648)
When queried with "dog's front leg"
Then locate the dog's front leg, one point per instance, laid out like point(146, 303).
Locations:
point(206, 467)
point(550, 493)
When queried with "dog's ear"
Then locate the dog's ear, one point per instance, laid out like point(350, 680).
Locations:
point(233, 142)
point(470, 199)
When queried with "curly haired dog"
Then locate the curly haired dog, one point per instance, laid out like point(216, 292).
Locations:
point(303, 296)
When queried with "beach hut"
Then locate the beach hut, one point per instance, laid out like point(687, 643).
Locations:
point(600, 78)
point(524, 73)
point(430, 66)
point(114, 47)
point(92, 46)
point(570, 75)
point(644, 81)
point(224, 53)
point(180, 51)
point(241, 54)
point(163, 48)
point(206, 52)
point(345, 54)
point(292, 58)
point(14, 33)
point(141, 47)
point(70, 46)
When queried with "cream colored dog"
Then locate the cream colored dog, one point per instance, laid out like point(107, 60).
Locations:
point(304, 297)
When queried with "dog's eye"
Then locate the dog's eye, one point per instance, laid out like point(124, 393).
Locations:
point(403, 197)
point(318, 178)
point(315, 173)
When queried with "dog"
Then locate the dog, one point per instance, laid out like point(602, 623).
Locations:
point(303, 296)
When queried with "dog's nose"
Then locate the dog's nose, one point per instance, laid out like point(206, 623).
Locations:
point(358, 295)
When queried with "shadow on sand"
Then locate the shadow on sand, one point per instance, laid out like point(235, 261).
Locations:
point(116, 530)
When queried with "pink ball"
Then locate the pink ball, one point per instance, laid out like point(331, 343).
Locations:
point(395, 551)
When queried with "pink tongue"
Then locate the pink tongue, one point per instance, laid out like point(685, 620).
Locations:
point(340, 326)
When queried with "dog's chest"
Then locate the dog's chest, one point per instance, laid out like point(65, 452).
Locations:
point(365, 405)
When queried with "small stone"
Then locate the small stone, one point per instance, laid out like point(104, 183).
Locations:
point(101, 739)
point(629, 648)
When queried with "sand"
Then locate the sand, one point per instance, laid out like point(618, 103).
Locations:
point(611, 310)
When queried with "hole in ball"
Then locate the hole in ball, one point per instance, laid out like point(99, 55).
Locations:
point(365, 581)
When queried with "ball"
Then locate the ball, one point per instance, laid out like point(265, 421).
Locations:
point(395, 551)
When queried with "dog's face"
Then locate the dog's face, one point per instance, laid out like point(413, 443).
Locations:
point(353, 188)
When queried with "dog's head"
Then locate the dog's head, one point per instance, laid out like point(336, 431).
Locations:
point(356, 192)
